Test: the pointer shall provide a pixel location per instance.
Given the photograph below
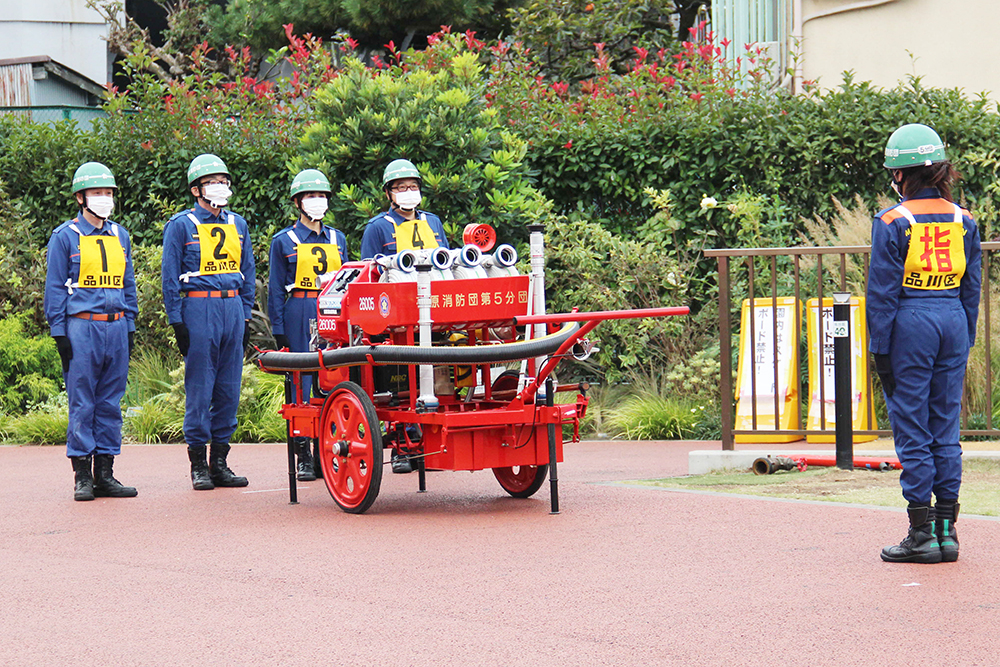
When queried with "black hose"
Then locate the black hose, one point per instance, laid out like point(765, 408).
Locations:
point(283, 362)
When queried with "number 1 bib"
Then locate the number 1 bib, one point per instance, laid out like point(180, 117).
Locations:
point(312, 261)
point(220, 249)
point(102, 262)
point(414, 235)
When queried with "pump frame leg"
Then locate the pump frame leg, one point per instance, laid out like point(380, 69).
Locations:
point(293, 489)
point(553, 474)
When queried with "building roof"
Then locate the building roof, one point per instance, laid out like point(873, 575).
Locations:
point(58, 69)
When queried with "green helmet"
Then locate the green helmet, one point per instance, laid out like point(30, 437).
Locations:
point(92, 175)
point(206, 165)
point(310, 180)
point(913, 145)
point(399, 169)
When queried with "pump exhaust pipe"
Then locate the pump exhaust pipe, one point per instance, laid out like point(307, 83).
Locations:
point(582, 350)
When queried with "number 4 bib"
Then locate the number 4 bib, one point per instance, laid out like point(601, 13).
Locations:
point(220, 248)
point(414, 235)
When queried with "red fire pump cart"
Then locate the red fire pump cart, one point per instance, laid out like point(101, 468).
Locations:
point(418, 345)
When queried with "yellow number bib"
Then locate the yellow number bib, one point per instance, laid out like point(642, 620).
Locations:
point(102, 262)
point(220, 249)
point(414, 235)
point(936, 257)
point(313, 260)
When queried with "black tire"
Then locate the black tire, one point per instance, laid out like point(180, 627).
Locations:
point(519, 481)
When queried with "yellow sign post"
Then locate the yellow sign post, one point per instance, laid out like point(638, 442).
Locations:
point(822, 413)
point(774, 340)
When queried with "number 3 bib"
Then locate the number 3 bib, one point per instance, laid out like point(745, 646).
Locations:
point(414, 235)
point(313, 260)
point(102, 262)
point(220, 249)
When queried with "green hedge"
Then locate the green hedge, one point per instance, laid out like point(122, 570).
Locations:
point(634, 153)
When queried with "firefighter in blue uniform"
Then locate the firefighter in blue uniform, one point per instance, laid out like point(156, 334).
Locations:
point(299, 255)
point(922, 307)
point(403, 226)
point(208, 285)
point(90, 305)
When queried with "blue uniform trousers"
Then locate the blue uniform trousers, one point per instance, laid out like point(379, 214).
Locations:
point(298, 312)
point(95, 385)
point(929, 351)
point(213, 368)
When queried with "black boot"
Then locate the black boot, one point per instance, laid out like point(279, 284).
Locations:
point(220, 472)
point(84, 489)
point(317, 467)
point(303, 447)
point(947, 514)
point(401, 463)
point(200, 479)
point(105, 484)
point(920, 544)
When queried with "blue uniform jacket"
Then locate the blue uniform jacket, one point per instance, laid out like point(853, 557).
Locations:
point(284, 259)
point(378, 238)
point(887, 279)
point(63, 298)
point(182, 256)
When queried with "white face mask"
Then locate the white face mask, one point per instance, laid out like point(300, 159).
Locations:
point(408, 199)
point(315, 208)
point(101, 206)
point(217, 194)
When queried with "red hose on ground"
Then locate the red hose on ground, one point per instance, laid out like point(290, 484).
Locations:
point(869, 462)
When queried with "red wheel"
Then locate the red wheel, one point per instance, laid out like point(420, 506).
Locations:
point(350, 448)
point(521, 481)
point(518, 481)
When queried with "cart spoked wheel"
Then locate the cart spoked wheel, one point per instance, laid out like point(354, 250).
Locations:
point(350, 448)
point(521, 481)
point(518, 481)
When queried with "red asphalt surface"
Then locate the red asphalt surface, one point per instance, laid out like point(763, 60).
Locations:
point(465, 575)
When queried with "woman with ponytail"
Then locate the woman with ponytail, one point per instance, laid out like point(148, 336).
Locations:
point(922, 307)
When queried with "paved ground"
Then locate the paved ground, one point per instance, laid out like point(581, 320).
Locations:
point(464, 575)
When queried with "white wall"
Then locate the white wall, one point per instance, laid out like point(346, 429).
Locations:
point(65, 30)
point(954, 44)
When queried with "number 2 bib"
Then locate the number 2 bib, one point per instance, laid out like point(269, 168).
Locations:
point(312, 261)
point(414, 235)
point(220, 248)
point(102, 262)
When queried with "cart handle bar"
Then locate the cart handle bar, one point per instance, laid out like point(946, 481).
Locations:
point(592, 319)
point(600, 315)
